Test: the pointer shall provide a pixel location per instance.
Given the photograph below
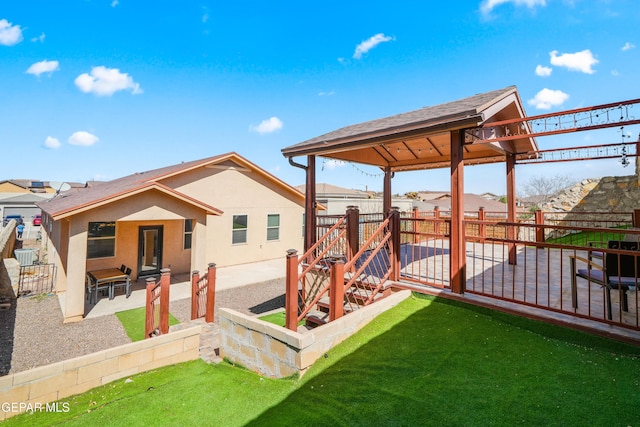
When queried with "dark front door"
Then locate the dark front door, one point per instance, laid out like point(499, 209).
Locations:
point(149, 250)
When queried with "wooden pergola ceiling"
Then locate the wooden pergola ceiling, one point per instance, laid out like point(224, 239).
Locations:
point(421, 139)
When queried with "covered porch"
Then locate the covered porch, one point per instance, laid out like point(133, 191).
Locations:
point(454, 256)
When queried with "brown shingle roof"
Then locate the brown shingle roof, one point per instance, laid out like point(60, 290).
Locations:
point(82, 198)
point(424, 117)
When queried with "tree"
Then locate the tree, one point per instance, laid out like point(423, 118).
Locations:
point(539, 190)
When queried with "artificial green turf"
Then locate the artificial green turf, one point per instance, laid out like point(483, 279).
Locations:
point(279, 318)
point(425, 362)
point(133, 322)
point(586, 237)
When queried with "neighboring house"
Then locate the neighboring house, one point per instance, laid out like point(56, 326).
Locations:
point(25, 204)
point(25, 186)
point(472, 203)
point(222, 209)
point(336, 199)
point(20, 197)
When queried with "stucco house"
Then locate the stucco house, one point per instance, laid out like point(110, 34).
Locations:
point(222, 209)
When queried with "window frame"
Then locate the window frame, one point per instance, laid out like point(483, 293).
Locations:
point(187, 235)
point(106, 238)
point(273, 227)
point(238, 231)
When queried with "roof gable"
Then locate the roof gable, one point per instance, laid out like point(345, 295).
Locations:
point(81, 199)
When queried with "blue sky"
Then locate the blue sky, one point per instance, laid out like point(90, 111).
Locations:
point(99, 89)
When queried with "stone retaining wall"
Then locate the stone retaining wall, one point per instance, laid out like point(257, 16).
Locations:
point(599, 197)
point(276, 352)
point(37, 387)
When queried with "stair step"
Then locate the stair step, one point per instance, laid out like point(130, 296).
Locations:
point(316, 318)
point(360, 296)
point(323, 305)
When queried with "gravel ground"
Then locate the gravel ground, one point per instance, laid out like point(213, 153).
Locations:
point(32, 333)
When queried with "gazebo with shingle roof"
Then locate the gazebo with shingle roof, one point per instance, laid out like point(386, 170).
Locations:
point(428, 138)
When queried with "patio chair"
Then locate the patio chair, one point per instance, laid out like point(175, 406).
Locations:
point(619, 272)
point(126, 283)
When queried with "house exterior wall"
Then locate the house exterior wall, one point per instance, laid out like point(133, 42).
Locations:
point(239, 191)
point(229, 186)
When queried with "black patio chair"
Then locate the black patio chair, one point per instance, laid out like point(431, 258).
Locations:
point(126, 283)
point(619, 272)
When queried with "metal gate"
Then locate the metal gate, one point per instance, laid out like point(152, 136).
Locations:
point(36, 279)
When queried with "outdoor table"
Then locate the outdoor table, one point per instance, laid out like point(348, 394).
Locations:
point(107, 275)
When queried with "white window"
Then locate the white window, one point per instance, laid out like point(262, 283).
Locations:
point(188, 233)
point(239, 232)
point(273, 227)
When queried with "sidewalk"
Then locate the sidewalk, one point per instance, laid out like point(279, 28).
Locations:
point(226, 278)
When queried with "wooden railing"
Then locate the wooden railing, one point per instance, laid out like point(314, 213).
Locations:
point(337, 264)
point(308, 275)
point(203, 291)
point(157, 305)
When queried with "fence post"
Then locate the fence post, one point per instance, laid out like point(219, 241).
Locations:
point(635, 221)
point(539, 226)
point(336, 289)
point(416, 215)
point(165, 279)
point(394, 225)
point(149, 317)
point(211, 292)
point(195, 278)
point(353, 231)
point(482, 229)
point(436, 223)
point(291, 296)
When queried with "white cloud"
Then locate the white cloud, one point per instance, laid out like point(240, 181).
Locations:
point(267, 126)
point(369, 44)
point(628, 46)
point(83, 138)
point(488, 5)
point(114, 3)
point(579, 61)
point(43, 67)
point(105, 81)
point(332, 164)
point(9, 34)
point(52, 142)
point(547, 98)
point(322, 93)
point(543, 71)
point(40, 38)
point(615, 73)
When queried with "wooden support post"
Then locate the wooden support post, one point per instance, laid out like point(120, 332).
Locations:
point(436, 217)
point(291, 295)
point(394, 226)
point(165, 281)
point(310, 236)
point(353, 231)
point(511, 207)
point(540, 226)
point(635, 221)
point(482, 227)
point(386, 192)
point(211, 292)
point(195, 279)
point(458, 258)
point(149, 317)
point(336, 289)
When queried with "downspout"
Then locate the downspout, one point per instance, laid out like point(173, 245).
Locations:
point(310, 200)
